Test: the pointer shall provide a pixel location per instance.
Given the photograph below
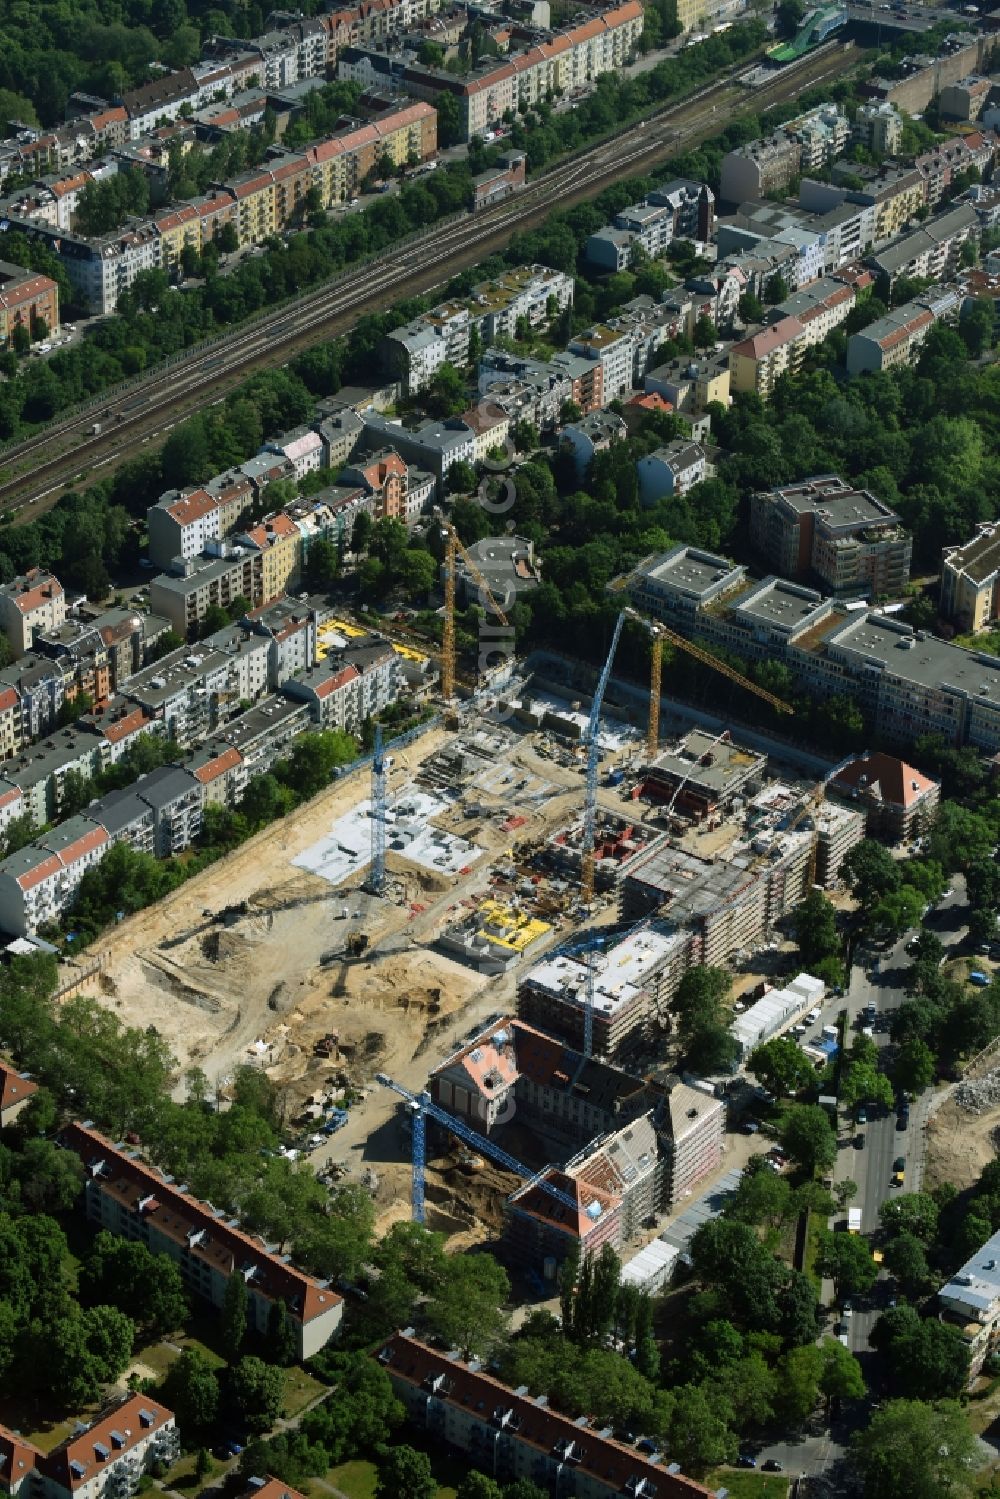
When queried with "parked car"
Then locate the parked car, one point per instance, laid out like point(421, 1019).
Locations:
point(746, 1460)
point(772, 1466)
point(859, 1140)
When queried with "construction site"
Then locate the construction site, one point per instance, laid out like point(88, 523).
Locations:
point(487, 878)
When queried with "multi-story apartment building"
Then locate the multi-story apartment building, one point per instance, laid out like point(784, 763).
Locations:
point(879, 128)
point(529, 295)
point(933, 250)
point(182, 525)
point(678, 209)
point(26, 300)
point(628, 984)
point(757, 363)
point(126, 1197)
point(279, 542)
point(897, 800)
point(511, 1434)
point(563, 60)
point(38, 883)
point(970, 1301)
point(959, 156)
point(906, 682)
point(30, 605)
point(433, 446)
point(898, 337)
point(206, 582)
point(672, 469)
point(766, 166)
point(681, 582)
point(970, 581)
point(823, 527)
point(105, 1460)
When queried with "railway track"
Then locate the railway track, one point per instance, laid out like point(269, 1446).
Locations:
point(35, 471)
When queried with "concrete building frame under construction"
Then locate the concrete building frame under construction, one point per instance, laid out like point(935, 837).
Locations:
point(701, 773)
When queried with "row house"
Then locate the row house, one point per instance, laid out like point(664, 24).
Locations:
point(263, 734)
point(187, 693)
point(897, 338)
point(535, 390)
point(107, 1459)
point(433, 446)
point(39, 882)
point(672, 469)
point(279, 543)
point(970, 581)
point(40, 771)
point(126, 1197)
point(290, 630)
point(78, 649)
point(510, 1434)
point(679, 209)
point(930, 252)
point(182, 523)
point(339, 165)
point(159, 814)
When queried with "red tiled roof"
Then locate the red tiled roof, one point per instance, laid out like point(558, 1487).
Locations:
point(77, 1461)
point(39, 593)
point(131, 723)
point(338, 680)
point(539, 1427)
point(44, 870)
point(17, 1459)
point(179, 1214)
point(228, 759)
point(14, 1089)
point(8, 699)
point(271, 1488)
point(191, 507)
point(884, 777)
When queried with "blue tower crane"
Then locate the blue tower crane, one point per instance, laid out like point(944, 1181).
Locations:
point(376, 874)
point(424, 1108)
point(590, 820)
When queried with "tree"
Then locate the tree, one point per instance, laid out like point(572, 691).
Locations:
point(705, 333)
point(314, 758)
point(904, 1258)
point(699, 1436)
point(234, 1316)
point(403, 1470)
point(257, 1389)
point(913, 1068)
point(925, 1359)
point(476, 1485)
point(192, 1391)
point(871, 872)
point(50, 1179)
point(863, 1083)
point(847, 1261)
point(841, 1377)
point(807, 1134)
point(816, 929)
point(466, 1311)
point(913, 1450)
point(781, 1066)
point(776, 289)
point(798, 1374)
point(361, 532)
point(282, 1344)
point(21, 338)
point(146, 1286)
point(912, 1212)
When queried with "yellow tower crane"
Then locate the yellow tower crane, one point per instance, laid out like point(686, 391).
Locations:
point(453, 550)
point(659, 634)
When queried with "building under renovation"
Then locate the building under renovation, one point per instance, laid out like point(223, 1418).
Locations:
point(618, 1182)
point(636, 1145)
point(625, 986)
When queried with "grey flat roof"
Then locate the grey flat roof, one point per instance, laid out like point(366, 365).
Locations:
point(161, 787)
point(838, 503)
point(918, 657)
point(690, 569)
point(729, 762)
point(119, 810)
point(779, 603)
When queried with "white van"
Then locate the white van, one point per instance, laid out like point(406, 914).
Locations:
point(813, 1015)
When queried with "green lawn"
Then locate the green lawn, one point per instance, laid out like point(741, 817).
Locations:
point(744, 1483)
point(356, 1479)
point(183, 1477)
point(300, 1390)
point(30, 1417)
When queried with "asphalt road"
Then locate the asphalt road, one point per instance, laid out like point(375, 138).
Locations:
point(878, 978)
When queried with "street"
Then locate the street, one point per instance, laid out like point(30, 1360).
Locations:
point(878, 978)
